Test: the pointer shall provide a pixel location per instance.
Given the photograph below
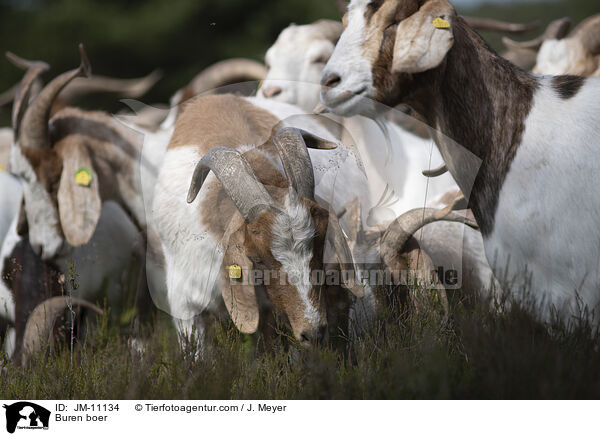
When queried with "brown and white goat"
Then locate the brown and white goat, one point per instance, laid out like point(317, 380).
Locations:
point(529, 143)
point(255, 213)
point(47, 154)
point(101, 263)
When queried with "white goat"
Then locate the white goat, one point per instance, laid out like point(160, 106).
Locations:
point(529, 143)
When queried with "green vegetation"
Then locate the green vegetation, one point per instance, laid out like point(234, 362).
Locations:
point(480, 353)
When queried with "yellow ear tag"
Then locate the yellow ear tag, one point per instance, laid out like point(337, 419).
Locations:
point(440, 23)
point(260, 84)
point(235, 271)
point(2, 168)
point(83, 177)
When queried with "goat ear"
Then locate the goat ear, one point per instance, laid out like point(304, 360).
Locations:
point(79, 201)
point(424, 39)
point(336, 237)
point(238, 293)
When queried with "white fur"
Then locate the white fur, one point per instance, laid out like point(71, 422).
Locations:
point(293, 231)
point(295, 60)
point(193, 256)
point(548, 213)
point(45, 235)
point(352, 66)
point(546, 223)
point(565, 56)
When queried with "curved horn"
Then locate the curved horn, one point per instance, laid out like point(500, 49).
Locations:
point(557, 29)
point(238, 179)
point(405, 226)
point(443, 169)
point(227, 72)
point(9, 95)
point(491, 25)
point(296, 161)
point(35, 119)
point(588, 32)
point(24, 89)
point(40, 325)
point(128, 88)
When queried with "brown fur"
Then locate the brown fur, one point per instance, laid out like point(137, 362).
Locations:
point(114, 149)
point(28, 290)
point(567, 86)
point(474, 97)
point(222, 121)
point(226, 120)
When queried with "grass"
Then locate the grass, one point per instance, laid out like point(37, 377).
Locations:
point(480, 353)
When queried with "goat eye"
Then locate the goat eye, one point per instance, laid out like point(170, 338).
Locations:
point(321, 60)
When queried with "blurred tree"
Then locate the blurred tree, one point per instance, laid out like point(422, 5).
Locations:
point(132, 37)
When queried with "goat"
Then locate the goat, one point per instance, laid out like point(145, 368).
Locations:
point(296, 61)
point(101, 262)
point(524, 54)
point(528, 143)
point(577, 53)
point(253, 215)
point(48, 154)
point(409, 252)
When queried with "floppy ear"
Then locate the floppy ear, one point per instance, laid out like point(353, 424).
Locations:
point(239, 293)
point(79, 201)
point(424, 39)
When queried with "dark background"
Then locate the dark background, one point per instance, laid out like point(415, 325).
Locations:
point(129, 38)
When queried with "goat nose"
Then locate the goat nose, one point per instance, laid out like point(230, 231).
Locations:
point(331, 80)
point(314, 336)
point(272, 91)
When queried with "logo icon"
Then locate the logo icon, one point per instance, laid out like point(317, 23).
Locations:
point(26, 415)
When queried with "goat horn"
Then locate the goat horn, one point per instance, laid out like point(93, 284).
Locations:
point(296, 161)
point(557, 29)
point(36, 117)
point(404, 227)
point(443, 169)
point(40, 324)
point(227, 72)
point(128, 88)
point(588, 32)
point(491, 25)
point(9, 95)
point(238, 179)
point(24, 89)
